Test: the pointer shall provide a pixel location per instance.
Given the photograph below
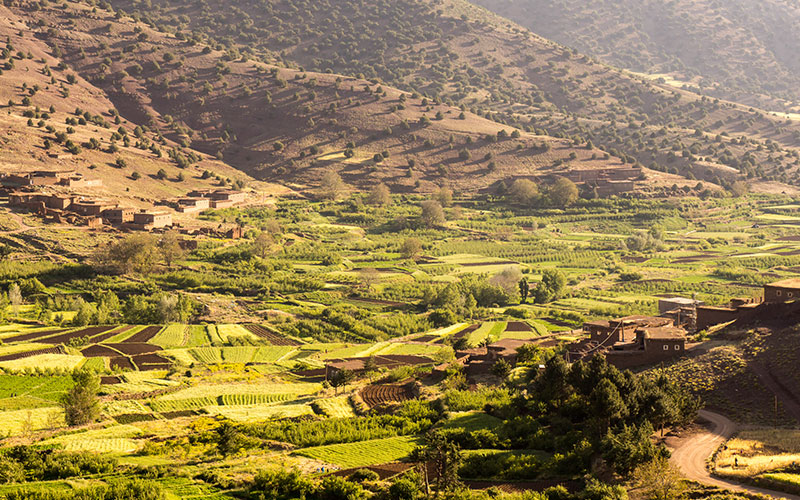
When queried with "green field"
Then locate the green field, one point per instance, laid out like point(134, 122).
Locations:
point(363, 453)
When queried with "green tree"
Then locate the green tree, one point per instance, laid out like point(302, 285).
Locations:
point(229, 440)
point(524, 290)
point(445, 458)
point(501, 369)
point(432, 214)
point(551, 287)
point(81, 404)
point(523, 192)
point(563, 193)
point(411, 248)
point(659, 480)
point(170, 247)
point(380, 196)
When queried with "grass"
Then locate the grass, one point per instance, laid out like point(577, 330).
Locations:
point(338, 407)
point(170, 336)
point(44, 362)
point(758, 451)
point(258, 413)
point(471, 421)
point(17, 422)
point(364, 453)
point(114, 439)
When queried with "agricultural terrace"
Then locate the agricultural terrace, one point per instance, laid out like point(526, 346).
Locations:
point(224, 356)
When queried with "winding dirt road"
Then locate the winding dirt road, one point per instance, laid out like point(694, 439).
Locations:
point(692, 453)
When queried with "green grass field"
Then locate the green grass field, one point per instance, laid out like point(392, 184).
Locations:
point(364, 453)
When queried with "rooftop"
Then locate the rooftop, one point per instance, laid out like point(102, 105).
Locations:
point(664, 333)
point(788, 283)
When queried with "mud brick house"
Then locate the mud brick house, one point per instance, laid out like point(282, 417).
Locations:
point(118, 215)
point(782, 291)
point(505, 349)
point(151, 220)
point(621, 329)
point(90, 207)
point(194, 204)
point(651, 345)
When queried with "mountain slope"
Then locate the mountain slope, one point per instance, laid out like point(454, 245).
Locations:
point(289, 125)
point(56, 120)
point(462, 54)
point(737, 48)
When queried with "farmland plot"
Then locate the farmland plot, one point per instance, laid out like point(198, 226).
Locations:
point(114, 439)
point(338, 407)
point(261, 412)
point(16, 422)
point(44, 361)
point(363, 453)
point(171, 336)
point(214, 390)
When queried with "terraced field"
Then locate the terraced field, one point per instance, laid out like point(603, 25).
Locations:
point(269, 336)
point(363, 453)
point(379, 394)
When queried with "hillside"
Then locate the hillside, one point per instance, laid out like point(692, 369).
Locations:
point(465, 55)
point(286, 125)
point(738, 49)
point(56, 120)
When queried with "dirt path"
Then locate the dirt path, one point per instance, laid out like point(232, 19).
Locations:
point(691, 454)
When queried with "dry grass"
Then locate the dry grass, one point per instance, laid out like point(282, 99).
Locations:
point(758, 451)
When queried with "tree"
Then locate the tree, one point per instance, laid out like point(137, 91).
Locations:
point(524, 290)
point(659, 480)
point(229, 441)
point(411, 248)
point(523, 191)
point(331, 186)
point(551, 286)
point(81, 404)
point(444, 196)
point(15, 297)
point(501, 369)
point(432, 213)
point(340, 378)
point(508, 279)
point(739, 189)
point(262, 244)
point(563, 193)
point(134, 253)
point(445, 457)
point(170, 247)
point(380, 196)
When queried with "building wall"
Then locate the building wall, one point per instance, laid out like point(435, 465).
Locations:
point(710, 316)
point(780, 294)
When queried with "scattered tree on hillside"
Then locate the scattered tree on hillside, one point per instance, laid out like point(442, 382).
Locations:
point(81, 404)
point(524, 290)
point(551, 286)
point(331, 186)
point(523, 192)
point(563, 193)
point(444, 196)
point(262, 244)
point(660, 480)
point(134, 253)
point(432, 214)
point(501, 369)
point(15, 297)
point(170, 247)
point(380, 196)
point(411, 248)
point(445, 457)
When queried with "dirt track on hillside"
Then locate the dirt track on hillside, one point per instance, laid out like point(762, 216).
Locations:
point(690, 455)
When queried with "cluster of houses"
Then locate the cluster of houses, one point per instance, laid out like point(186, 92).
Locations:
point(88, 211)
point(203, 199)
point(66, 178)
point(27, 191)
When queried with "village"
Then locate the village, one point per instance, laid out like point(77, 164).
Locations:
point(626, 342)
point(54, 196)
